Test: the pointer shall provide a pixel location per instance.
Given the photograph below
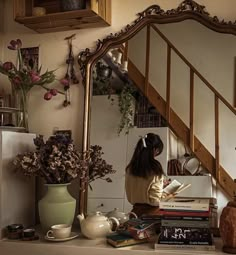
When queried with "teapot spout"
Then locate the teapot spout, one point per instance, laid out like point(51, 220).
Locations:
point(80, 217)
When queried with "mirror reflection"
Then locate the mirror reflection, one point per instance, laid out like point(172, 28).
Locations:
point(120, 113)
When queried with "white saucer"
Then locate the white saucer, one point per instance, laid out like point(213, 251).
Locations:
point(72, 236)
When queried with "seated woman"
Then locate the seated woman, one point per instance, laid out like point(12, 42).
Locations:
point(144, 179)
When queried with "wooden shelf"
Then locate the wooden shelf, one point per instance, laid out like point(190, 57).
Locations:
point(15, 129)
point(98, 15)
point(8, 110)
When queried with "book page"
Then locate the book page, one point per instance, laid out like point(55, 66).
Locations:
point(175, 187)
point(183, 187)
point(172, 187)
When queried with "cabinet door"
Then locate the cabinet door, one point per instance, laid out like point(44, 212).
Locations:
point(17, 201)
point(105, 118)
point(104, 204)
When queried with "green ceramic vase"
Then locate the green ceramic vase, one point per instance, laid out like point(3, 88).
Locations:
point(56, 207)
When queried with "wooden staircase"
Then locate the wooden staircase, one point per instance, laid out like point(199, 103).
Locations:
point(185, 133)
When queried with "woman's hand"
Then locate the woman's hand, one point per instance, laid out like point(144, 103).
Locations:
point(169, 196)
point(166, 182)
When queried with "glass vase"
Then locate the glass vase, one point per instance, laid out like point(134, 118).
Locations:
point(20, 102)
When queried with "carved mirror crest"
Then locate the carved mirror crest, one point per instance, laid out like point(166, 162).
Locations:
point(154, 26)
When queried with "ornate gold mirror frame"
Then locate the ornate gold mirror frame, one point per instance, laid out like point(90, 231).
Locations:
point(188, 9)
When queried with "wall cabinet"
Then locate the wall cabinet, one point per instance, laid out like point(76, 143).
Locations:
point(96, 14)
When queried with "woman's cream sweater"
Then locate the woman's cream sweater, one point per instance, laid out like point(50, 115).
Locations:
point(144, 190)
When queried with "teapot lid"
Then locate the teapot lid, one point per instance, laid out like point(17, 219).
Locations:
point(97, 216)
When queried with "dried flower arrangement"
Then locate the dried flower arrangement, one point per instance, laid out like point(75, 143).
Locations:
point(98, 167)
point(57, 161)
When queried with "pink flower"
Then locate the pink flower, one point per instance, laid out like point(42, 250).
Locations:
point(65, 82)
point(53, 92)
point(35, 77)
point(16, 81)
point(15, 44)
point(7, 66)
point(47, 95)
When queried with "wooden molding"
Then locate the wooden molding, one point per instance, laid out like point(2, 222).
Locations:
point(188, 9)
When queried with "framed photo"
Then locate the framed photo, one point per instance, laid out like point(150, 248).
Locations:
point(30, 57)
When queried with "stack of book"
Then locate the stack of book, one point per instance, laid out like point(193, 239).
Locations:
point(185, 223)
point(134, 231)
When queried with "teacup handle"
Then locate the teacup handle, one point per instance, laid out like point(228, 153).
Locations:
point(50, 234)
point(134, 214)
point(116, 221)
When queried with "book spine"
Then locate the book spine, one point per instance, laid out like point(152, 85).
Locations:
point(184, 213)
point(183, 206)
point(185, 223)
point(186, 218)
point(185, 242)
point(182, 246)
point(185, 235)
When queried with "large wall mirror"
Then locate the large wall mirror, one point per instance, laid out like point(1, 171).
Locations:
point(158, 53)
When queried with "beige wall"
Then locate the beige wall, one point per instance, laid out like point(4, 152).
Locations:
point(44, 116)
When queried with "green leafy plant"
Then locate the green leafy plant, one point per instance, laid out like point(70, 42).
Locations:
point(126, 102)
point(102, 85)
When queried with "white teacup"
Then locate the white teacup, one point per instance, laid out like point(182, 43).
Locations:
point(59, 231)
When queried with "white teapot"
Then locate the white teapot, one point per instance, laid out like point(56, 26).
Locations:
point(120, 216)
point(96, 225)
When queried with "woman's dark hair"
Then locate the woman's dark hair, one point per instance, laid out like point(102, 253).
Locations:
point(143, 163)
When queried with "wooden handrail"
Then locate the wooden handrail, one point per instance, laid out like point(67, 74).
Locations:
point(217, 153)
point(195, 70)
point(147, 60)
point(168, 76)
point(191, 115)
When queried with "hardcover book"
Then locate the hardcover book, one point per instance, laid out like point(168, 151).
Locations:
point(185, 204)
point(185, 223)
point(158, 246)
point(185, 235)
point(139, 229)
point(185, 218)
point(184, 213)
point(118, 240)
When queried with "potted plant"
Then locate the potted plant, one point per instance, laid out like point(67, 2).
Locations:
point(58, 163)
point(24, 77)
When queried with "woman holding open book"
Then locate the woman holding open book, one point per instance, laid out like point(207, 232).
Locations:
point(144, 179)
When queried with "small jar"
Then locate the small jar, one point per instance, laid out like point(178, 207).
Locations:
point(39, 11)
point(29, 233)
point(15, 231)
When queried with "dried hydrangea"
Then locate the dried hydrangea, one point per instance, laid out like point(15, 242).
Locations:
point(57, 161)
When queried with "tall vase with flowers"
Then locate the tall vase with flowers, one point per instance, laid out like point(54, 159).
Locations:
point(58, 163)
point(23, 77)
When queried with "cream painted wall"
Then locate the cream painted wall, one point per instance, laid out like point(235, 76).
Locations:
point(44, 116)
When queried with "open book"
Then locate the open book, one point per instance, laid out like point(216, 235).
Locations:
point(175, 187)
